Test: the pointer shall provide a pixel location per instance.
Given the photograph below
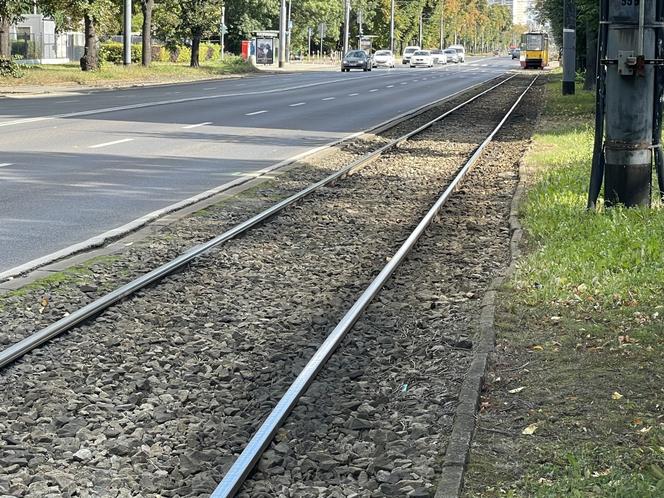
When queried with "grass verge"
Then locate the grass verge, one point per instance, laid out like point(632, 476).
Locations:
point(157, 72)
point(574, 403)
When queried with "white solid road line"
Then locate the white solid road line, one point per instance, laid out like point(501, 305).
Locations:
point(189, 127)
point(2, 165)
point(254, 113)
point(66, 101)
point(329, 98)
point(99, 146)
point(297, 105)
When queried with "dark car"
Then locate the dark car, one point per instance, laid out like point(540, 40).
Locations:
point(356, 59)
point(516, 53)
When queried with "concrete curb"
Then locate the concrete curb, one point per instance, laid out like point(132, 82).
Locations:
point(457, 454)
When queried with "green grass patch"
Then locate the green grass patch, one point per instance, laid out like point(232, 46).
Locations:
point(580, 333)
point(157, 72)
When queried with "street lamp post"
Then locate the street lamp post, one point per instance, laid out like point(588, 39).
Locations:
point(392, 26)
point(282, 34)
point(127, 33)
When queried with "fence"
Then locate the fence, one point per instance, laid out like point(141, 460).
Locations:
point(60, 47)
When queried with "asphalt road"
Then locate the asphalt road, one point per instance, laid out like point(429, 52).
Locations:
point(77, 165)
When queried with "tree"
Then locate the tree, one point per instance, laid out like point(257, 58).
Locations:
point(147, 7)
point(587, 21)
point(188, 21)
point(10, 12)
point(96, 14)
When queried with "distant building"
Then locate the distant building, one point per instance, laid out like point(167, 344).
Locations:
point(521, 10)
point(35, 41)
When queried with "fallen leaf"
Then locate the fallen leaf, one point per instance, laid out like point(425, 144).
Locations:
point(529, 430)
point(637, 421)
point(601, 473)
point(537, 348)
point(517, 390)
point(645, 430)
point(616, 395)
point(555, 318)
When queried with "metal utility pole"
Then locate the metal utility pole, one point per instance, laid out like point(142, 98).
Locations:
point(569, 47)
point(222, 30)
point(442, 24)
point(630, 103)
point(289, 27)
point(392, 26)
point(127, 33)
point(309, 32)
point(346, 25)
point(421, 21)
point(282, 34)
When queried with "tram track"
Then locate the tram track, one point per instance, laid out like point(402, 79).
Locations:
point(219, 353)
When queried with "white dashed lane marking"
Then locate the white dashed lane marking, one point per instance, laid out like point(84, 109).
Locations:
point(189, 127)
point(115, 142)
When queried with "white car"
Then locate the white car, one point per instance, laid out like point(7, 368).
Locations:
point(408, 52)
point(452, 55)
point(461, 51)
point(439, 56)
point(421, 58)
point(383, 58)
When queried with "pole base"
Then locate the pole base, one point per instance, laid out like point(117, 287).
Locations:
point(569, 87)
point(627, 185)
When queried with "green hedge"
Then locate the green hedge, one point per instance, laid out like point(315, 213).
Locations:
point(113, 52)
point(9, 69)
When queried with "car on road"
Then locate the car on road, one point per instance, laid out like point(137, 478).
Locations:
point(516, 53)
point(421, 58)
point(439, 56)
point(383, 58)
point(408, 52)
point(356, 59)
point(452, 55)
point(461, 51)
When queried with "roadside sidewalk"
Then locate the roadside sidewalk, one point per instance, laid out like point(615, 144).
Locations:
point(573, 403)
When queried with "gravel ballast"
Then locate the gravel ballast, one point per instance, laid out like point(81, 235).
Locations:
point(159, 393)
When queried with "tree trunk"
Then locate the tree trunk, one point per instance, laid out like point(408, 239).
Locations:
point(90, 60)
point(5, 49)
point(591, 58)
point(195, 49)
point(147, 6)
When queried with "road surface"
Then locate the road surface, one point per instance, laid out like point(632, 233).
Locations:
point(77, 165)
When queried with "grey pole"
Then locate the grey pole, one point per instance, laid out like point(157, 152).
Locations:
point(346, 25)
point(127, 33)
point(630, 84)
point(282, 34)
point(392, 26)
point(223, 29)
point(420, 40)
point(442, 24)
point(288, 31)
point(569, 47)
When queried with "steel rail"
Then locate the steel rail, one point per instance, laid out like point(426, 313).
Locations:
point(19, 349)
point(238, 472)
